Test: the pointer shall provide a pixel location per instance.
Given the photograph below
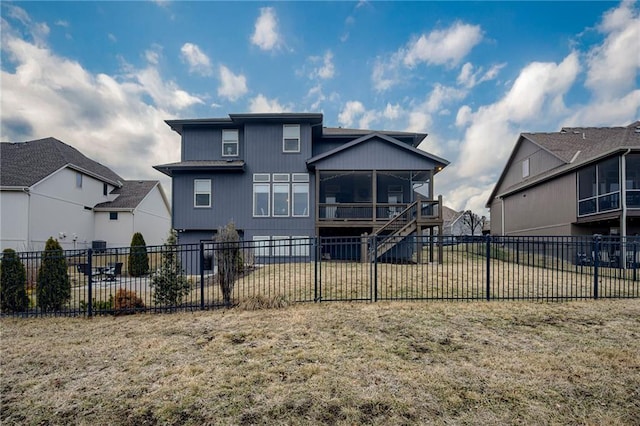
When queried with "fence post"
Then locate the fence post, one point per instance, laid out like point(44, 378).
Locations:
point(488, 254)
point(202, 275)
point(596, 264)
point(316, 260)
point(634, 261)
point(90, 282)
point(375, 268)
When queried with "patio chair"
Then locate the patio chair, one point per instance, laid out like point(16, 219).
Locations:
point(112, 271)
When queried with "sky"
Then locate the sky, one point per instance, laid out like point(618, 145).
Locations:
point(104, 76)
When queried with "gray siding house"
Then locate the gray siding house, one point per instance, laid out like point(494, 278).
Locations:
point(579, 181)
point(285, 176)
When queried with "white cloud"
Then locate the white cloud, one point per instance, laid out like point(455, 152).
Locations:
point(199, 63)
point(392, 112)
point(61, 23)
point(350, 112)
point(613, 65)
point(153, 54)
point(443, 47)
point(112, 38)
point(266, 35)
point(108, 119)
point(232, 86)
point(470, 78)
point(37, 30)
point(326, 70)
point(537, 92)
point(440, 47)
point(262, 104)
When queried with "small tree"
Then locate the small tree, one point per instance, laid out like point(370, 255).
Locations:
point(227, 253)
point(169, 283)
point(13, 280)
point(138, 257)
point(473, 222)
point(53, 288)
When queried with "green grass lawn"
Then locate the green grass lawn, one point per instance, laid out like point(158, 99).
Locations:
point(339, 363)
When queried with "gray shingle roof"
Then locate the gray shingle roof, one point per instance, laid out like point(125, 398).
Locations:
point(339, 131)
point(26, 163)
point(203, 165)
point(130, 194)
point(574, 146)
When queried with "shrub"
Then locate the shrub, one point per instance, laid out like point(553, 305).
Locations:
point(169, 283)
point(53, 288)
point(228, 259)
point(13, 280)
point(98, 305)
point(127, 302)
point(138, 257)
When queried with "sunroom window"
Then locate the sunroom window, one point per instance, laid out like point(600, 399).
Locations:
point(599, 187)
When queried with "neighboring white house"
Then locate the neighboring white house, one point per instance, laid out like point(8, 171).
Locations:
point(50, 189)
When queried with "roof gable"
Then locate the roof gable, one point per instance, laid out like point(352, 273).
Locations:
point(379, 140)
point(130, 194)
point(575, 147)
point(27, 163)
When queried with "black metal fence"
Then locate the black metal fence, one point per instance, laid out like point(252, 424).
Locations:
point(301, 269)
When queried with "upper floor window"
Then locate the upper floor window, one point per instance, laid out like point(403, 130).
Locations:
point(291, 138)
point(202, 193)
point(113, 215)
point(633, 181)
point(229, 143)
point(105, 189)
point(599, 187)
point(78, 180)
point(525, 168)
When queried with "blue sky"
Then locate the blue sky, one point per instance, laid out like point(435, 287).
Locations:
point(103, 76)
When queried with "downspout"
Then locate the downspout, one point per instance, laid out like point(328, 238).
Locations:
point(26, 191)
point(502, 217)
point(623, 218)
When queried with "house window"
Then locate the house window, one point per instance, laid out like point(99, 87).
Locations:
point(633, 181)
point(202, 193)
point(265, 246)
point(78, 180)
point(599, 187)
point(105, 189)
point(291, 138)
point(525, 168)
point(261, 177)
point(300, 202)
point(229, 143)
point(280, 199)
point(113, 215)
point(300, 177)
point(281, 177)
point(261, 199)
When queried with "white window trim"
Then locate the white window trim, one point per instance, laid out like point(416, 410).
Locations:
point(300, 177)
point(300, 245)
point(253, 209)
point(273, 196)
point(284, 149)
point(227, 142)
point(261, 177)
point(293, 195)
point(196, 193)
point(526, 172)
point(280, 177)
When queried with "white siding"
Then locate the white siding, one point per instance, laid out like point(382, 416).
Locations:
point(14, 223)
point(117, 233)
point(152, 218)
point(58, 209)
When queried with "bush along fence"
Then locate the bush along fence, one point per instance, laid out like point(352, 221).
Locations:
point(283, 270)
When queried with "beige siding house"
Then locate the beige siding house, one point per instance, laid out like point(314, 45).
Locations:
point(578, 181)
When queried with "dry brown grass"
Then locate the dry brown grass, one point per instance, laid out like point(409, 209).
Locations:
point(385, 363)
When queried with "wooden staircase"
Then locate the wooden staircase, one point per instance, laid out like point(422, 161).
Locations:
point(396, 229)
